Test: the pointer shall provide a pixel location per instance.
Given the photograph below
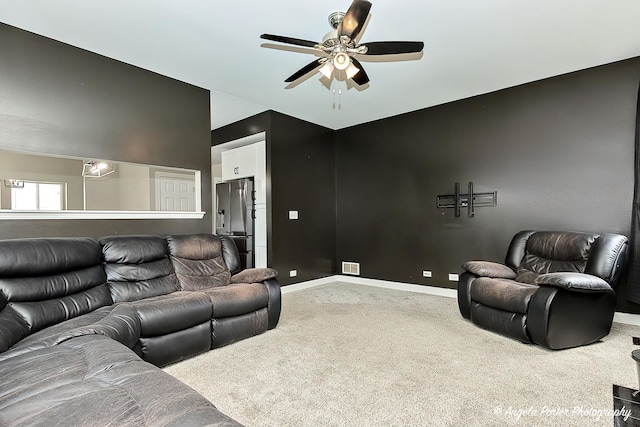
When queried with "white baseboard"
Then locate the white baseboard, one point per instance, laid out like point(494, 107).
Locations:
point(627, 318)
point(409, 287)
point(309, 284)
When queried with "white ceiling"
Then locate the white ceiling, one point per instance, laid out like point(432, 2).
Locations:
point(471, 47)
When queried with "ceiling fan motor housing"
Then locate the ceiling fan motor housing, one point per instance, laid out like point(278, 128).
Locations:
point(335, 19)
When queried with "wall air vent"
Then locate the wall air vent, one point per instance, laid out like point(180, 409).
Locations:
point(351, 268)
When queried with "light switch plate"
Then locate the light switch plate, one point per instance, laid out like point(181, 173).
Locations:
point(293, 214)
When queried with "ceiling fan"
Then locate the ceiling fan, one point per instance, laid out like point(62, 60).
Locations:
point(339, 46)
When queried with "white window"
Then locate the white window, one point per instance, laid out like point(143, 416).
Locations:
point(38, 196)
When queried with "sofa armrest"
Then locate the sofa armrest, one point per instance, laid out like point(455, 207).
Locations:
point(122, 325)
point(254, 275)
point(489, 269)
point(577, 282)
point(275, 302)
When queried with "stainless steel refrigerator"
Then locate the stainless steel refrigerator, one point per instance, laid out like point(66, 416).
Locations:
point(235, 216)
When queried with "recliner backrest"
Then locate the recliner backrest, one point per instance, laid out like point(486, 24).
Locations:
point(47, 281)
point(138, 267)
point(543, 252)
point(198, 261)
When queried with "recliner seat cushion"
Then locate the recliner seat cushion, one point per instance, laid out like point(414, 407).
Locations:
point(503, 294)
point(174, 312)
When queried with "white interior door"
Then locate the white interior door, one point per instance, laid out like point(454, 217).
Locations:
point(174, 193)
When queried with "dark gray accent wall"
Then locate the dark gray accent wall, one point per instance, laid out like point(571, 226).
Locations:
point(300, 176)
point(559, 152)
point(62, 100)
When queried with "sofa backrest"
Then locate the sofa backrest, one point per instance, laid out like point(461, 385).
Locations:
point(198, 261)
point(47, 281)
point(138, 267)
point(533, 253)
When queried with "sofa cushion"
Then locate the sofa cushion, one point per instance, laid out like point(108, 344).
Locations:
point(173, 312)
point(526, 276)
point(47, 281)
point(550, 252)
point(137, 267)
point(47, 256)
point(237, 299)
point(198, 261)
point(120, 323)
point(93, 380)
point(503, 294)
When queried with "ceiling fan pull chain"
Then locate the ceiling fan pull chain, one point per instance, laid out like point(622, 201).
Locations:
point(333, 91)
point(340, 90)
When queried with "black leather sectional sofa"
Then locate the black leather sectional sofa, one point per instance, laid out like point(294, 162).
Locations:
point(83, 322)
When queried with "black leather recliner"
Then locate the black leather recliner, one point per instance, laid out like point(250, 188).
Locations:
point(556, 289)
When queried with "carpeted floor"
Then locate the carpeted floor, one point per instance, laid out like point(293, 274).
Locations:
point(354, 355)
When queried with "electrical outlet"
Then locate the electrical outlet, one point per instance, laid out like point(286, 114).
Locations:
point(293, 214)
point(426, 273)
point(293, 273)
point(453, 277)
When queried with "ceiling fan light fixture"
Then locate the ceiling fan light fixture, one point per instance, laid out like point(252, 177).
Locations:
point(351, 70)
point(341, 61)
point(327, 69)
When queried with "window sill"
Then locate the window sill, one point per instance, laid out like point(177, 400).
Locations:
point(6, 214)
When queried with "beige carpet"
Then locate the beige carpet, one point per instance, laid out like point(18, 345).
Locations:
point(354, 355)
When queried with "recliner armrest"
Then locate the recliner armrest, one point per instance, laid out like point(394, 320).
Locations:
point(489, 269)
point(254, 275)
point(577, 282)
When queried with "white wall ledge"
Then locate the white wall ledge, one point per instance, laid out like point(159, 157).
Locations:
point(22, 215)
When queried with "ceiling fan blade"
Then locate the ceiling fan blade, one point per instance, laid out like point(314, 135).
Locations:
point(288, 40)
point(361, 77)
point(304, 70)
point(354, 19)
point(393, 48)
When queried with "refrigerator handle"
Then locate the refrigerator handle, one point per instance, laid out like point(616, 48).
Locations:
point(243, 201)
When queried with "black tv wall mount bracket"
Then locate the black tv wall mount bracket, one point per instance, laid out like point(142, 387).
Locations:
point(470, 200)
